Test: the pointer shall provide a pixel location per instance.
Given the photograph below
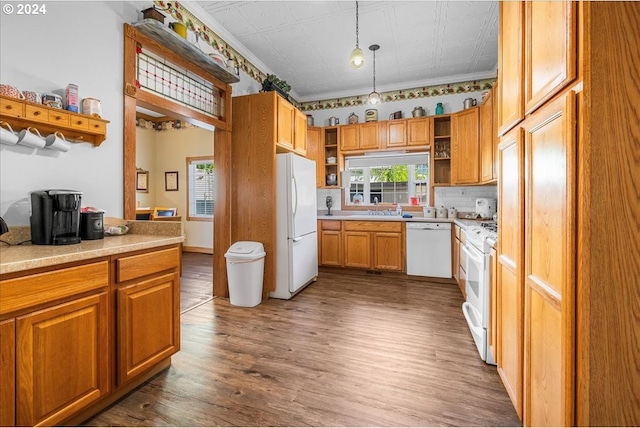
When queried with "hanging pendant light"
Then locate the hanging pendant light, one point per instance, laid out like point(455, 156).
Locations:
point(357, 56)
point(374, 97)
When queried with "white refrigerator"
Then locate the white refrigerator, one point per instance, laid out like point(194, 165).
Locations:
point(296, 225)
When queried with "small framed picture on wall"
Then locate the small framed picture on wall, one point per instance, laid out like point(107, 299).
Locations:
point(142, 181)
point(171, 181)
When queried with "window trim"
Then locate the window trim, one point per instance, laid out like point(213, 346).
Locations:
point(190, 160)
point(366, 162)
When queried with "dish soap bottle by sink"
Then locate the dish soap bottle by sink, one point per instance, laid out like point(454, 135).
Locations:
point(399, 210)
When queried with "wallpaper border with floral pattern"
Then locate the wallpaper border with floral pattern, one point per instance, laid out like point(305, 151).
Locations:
point(177, 11)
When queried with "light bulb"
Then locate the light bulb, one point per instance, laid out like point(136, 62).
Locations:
point(374, 98)
point(357, 59)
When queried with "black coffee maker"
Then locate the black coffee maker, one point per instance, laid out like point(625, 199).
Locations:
point(55, 217)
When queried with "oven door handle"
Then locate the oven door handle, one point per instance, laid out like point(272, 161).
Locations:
point(473, 255)
point(467, 311)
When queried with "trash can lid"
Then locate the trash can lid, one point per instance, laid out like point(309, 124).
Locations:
point(246, 250)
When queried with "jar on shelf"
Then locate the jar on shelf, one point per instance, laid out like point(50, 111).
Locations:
point(439, 108)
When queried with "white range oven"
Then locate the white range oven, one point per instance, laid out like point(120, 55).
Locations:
point(480, 240)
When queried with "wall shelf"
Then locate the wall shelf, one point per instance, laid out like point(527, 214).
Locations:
point(76, 127)
point(168, 38)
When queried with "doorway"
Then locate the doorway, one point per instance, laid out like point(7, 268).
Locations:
point(166, 146)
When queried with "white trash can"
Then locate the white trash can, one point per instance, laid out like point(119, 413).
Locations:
point(245, 272)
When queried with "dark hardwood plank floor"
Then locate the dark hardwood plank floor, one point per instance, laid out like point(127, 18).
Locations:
point(349, 350)
point(196, 281)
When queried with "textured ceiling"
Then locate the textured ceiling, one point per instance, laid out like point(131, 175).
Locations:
point(308, 43)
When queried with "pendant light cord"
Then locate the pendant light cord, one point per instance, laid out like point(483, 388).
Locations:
point(357, 27)
point(374, 71)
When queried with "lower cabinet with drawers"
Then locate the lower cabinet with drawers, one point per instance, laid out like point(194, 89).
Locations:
point(378, 245)
point(76, 337)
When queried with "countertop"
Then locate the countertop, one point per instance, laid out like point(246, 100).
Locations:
point(16, 258)
point(347, 215)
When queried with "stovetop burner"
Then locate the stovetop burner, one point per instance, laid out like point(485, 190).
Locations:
point(483, 236)
point(491, 227)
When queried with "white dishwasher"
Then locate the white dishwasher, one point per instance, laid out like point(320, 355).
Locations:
point(429, 249)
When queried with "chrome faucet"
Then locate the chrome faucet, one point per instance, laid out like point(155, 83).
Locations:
point(375, 202)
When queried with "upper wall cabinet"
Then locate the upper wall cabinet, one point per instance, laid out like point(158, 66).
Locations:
point(550, 50)
point(349, 137)
point(465, 148)
point(537, 63)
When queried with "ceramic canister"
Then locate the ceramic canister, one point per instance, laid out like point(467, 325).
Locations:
point(441, 212)
point(371, 115)
point(429, 212)
point(11, 91)
point(33, 97)
point(52, 100)
point(92, 107)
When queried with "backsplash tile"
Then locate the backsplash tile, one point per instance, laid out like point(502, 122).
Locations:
point(336, 194)
point(463, 198)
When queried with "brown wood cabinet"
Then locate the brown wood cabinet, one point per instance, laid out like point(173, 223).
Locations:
point(537, 56)
point(300, 132)
point(148, 310)
point(509, 292)
point(419, 131)
point(8, 372)
point(550, 60)
point(330, 243)
point(397, 133)
point(292, 127)
point(393, 134)
point(459, 259)
point(58, 335)
point(62, 360)
point(315, 152)
point(357, 249)
point(369, 134)
point(488, 140)
point(549, 345)
point(511, 65)
point(349, 138)
point(465, 147)
point(374, 245)
point(148, 324)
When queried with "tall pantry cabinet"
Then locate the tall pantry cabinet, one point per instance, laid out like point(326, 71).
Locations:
point(569, 126)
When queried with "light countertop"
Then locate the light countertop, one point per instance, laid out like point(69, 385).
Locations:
point(141, 236)
point(417, 217)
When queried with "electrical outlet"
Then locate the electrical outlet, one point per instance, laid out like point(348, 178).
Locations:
point(463, 192)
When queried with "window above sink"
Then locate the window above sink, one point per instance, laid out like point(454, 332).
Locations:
point(397, 178)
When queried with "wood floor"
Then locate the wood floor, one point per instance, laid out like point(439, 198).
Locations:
point(196, 281)
point(347, 351)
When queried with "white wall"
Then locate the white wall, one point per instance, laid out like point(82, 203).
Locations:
point(162, 151)
point(172, 149)
point(75, 42)
point(146, 159)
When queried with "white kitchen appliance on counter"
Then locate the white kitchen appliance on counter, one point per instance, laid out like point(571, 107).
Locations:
point(296, 225)
point(486, 207)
